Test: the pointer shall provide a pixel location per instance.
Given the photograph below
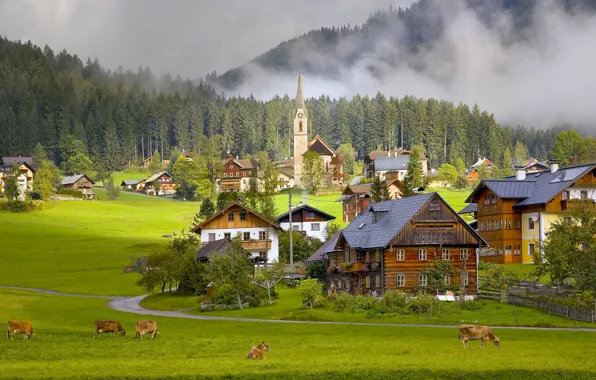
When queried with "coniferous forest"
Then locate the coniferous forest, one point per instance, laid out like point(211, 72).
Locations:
point(124, 116)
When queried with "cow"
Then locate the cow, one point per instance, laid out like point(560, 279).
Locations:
point(146, 327)
point(108, 326)
point(482, 333)
point(16, 327)
point(258, 352)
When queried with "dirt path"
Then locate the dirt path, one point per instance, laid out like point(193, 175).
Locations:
point(133, 305)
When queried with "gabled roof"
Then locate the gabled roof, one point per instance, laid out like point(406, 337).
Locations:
point(131, 182)
point(245, 163)
point(329, 246)
point(374, 155)
point(286, 171)
point(483, 161)
point(8, 160)
point(198, 228)
point(470, 208)
point(320, 146)
point(154, 177)
point(7, 168)
point(308, 208)
point(74, 178)
point(392, 163)
point(537, 188)
point(363, 233)
point(356, 180)
point(358, 189)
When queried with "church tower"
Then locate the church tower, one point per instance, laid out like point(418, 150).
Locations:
point(300, 133)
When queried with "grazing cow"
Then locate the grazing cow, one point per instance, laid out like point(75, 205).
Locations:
point(258, 352)
point(482, 333)
point(147, 327)
point(16, 327)
point(108, 326)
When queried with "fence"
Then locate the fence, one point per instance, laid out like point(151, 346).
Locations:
point(493, 295)
point(579, 315)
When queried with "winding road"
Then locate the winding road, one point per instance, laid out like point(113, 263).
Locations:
point(133, 305)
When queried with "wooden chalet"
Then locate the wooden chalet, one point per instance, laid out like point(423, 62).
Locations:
point(472, 174)
point(356, 198)
point(390, 244)
point(532, 165)
point(237, 173)
point(133, 184)
point(80, 182)
point(161, 183)
point(305, 218)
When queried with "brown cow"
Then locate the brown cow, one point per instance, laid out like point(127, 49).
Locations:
point(482, 333)
point(147, 327)
point(108, 326)
point(258, 352)
point(16, 327)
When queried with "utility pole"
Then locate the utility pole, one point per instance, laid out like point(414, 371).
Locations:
point(291, 233)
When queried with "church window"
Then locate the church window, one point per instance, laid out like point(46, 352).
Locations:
point(300, 126)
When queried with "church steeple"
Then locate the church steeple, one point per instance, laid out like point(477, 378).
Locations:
point(300, 105)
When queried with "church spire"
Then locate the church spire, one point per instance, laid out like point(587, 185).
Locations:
point(299, 97)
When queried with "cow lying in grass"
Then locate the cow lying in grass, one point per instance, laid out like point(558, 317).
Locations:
point(16, 327)
point(482, 333)
point(111, 327)
point(258, 352)
point(147, 327)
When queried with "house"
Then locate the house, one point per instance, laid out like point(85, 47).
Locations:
point(259, 236)
point(22, 168)
point(18, 159)
point(285, 179)
point(133, 184)
point(390, 245)
point(313, 222)
point(147, 162)
point(161, 183)
point(473, 174)
point(237, 174)
point(302, 145)
point(321, 254)
point(515, 213)
point(532, 165)
point(79, 182)
point(390, 164)
point(356, 198)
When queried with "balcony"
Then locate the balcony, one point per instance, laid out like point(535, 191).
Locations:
point(578, 204)
point(355, 267)
point(251, 245)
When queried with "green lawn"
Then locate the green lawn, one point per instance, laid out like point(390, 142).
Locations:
point(131, 174)
point(455, 198)
point(63, 348)
point(324, 203)
point(81, 246)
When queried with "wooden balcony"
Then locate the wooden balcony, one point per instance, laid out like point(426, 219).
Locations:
point(256, 244)
point(578, 204)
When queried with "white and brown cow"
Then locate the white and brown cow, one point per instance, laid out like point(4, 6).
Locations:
point(482, 333)
point(147, 327)
point(16, 327)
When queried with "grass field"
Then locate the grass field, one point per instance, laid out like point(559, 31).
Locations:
point(455, 198)
point(63, 348)
point(324, 203)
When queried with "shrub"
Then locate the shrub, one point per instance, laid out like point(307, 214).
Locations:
point(72, 193)
point(14, 206)
point(423, 303)
point(344, 302)
point(471, 305)
point(483, 265)
point(395, 301)
point(224, 295)
point(366, 303)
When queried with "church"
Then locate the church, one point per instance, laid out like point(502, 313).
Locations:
point(302, 144)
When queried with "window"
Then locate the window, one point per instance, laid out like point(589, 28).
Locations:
point(231, 217)
point(493, 225)
point(237, 174)
point(583, 195)
point(531, 248)
point(339, 284)
point(508, 224)
point(486, 199)
point(243, 216)
point(378, 281)
point(517, 224)
point(227, 235)
point(231, 166)
point(508, 250)
point(434, 207)
point(466, 279)
point(263, 255)
point(517, 250)
point(463, 254)
point(315, 227)
point(530, 223)
point(565, 195)
point(422, 255)
point(494, 199)
point(377, 257)
point(499, 225)
point(246, 236)
point(447, 280)
point(300, 126)
point(211, 237)
point(445, 254)
point(400, 280)
point(400, 255)
point(262, 235)
point(244, 174)
point(310, 215)
point(332, 260)
point(225, 174)
point(367, 282)
point(500, 251)
point(359, 256)
point(422, 280)
point(567, 219)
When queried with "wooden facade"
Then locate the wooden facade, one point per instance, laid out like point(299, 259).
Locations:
point(233, 218)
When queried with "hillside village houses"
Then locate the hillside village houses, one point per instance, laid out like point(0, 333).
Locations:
point(259, 236)
point(306, 219)
point(161, 183)
point(515, 213)
point(24, 173)
point(390, 244)
point(473, 174)
point(390, 164)
point(79, 182)
point(356, 198)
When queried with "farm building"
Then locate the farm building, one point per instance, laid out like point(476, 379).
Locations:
point(79, 182)
point(161, 183)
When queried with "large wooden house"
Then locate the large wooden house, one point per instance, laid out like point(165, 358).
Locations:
point(161, 183)
point(356, 198)
point(259, 236)
point(237, 174)
point(79, 182)
point(307, 219)
point(391, 244)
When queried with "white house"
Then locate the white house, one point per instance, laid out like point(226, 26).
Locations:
point(259, 236)
point(313, 222)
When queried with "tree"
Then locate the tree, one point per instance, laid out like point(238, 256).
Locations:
point(207, 210)
point(161, 268)
point(331, 229)
point(414, 174)
point(155, 165)
point(461, 182)
point(507, 164)
point(270, 277)
point(113, 190)
point(379, 191)
point(312, 290)
point(233, 268)
point(79, 164)
point(196, 273)
point(11, 189)
point(436, 272)
point(317, 270)
point(313, 171)
point(405, 187)
point(192, 176)
point(358, 168)
point(70, 146)
point(39, 154)
point(569, 255)
point(349, 157)
point(460, 166)
point(520, 153)
point(447, 174)
point(44, 180)
point(302, 246)
point(568, 148)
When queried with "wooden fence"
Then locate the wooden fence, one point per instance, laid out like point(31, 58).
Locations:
point(578, 315)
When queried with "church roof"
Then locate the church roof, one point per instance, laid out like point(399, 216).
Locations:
point(300, 98)
point(320, 146)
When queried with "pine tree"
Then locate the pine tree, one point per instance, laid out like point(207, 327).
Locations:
point(39, 155)
point(414, 175)
point(379, 191)
point(112, 157)
point(506, 164)
point(155, 165)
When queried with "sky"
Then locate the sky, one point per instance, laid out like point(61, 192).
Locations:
point(186, 37)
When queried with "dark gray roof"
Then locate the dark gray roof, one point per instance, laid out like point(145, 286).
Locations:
point(507, 189)
point(327, 247)
point(217, 247)
point(362, 233)
point(472, 207)
point(392, 163)
point(307, 207)
point(74, 178)
point(19, 159)
point(127, 182)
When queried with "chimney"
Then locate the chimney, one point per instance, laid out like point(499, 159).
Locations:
point(554, 165)
point(520, 173)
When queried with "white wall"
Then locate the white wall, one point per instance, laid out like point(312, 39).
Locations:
point(273, 253)
point(307, 227)
point(575, 192)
